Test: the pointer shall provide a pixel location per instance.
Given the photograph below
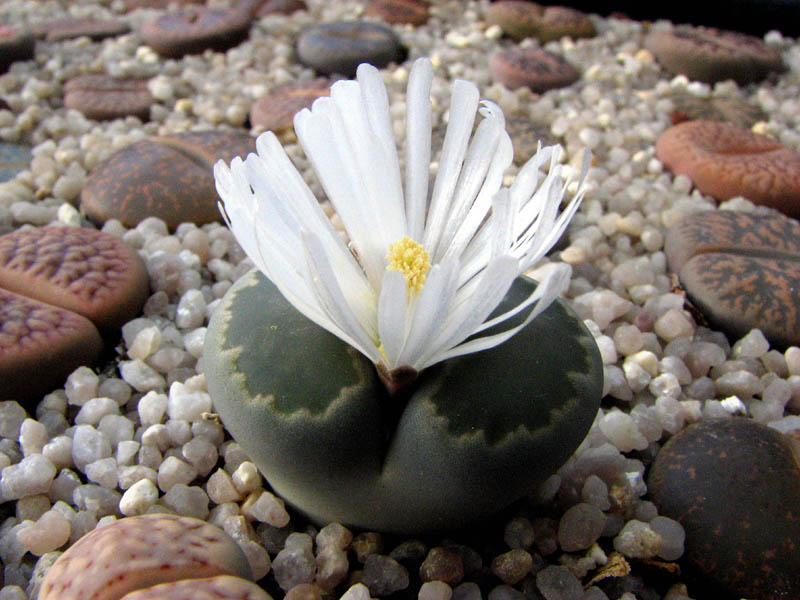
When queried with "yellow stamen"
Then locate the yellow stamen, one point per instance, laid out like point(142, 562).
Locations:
point(412, 260)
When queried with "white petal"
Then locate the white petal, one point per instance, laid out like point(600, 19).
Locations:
point(466, 316)
point(392, 315)
point(418, 145)
point(429, 311)
point(545, 294)
point(333, 301)
point(463, 103)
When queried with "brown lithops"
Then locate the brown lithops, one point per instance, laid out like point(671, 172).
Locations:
point(142, 552)
point(711, 55)
point(168, 177)
point(534, 68)
point(411, 12)
point(194, 29)
point(724, 161)
point(734, 486)
point(520, 19)
point(40, 345)
point(103, 98)
point(741, 270)
point(276, 111)
point(67, 28)
point(82, 270)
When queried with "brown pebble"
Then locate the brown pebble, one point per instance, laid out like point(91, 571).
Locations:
point(71, 27)
point(40, 345)
point(442, 565)
point(88, 272)
point(734, 486)
point(724, 161)
point(741, 270)
point(534, 68)
point(411, 12)
point(511, 567)
point(520, 19)
point(103, 98)
point(16, 43)
point(527, 135)
point(221, 587)
point(195, 29)
point(276, 111)
point(139, 552)
point(711, 55)
point(169, 177)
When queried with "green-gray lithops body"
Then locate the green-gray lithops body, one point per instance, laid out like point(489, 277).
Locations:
point(476, 432)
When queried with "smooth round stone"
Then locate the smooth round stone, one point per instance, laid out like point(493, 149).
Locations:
point(725, 161)
point(103, 98)
point(89, 272)
point(16, 44)
point(195, 29)
point(477, 432)
point(13, 159)
point(402, 12)
point(741, 270)
point(340, 46)
point(520, 19)
point(534, 68)
point(139, 552)
point(734, 486)
point(40, 345)
point(711, 55)
point(276, 110)
point(64, 29)
point(527, 135)
point(688, 107)
point(169, 177)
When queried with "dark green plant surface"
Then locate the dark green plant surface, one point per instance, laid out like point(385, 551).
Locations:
point(474, 434)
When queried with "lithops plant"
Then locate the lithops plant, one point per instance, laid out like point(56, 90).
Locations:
point(152, 557)
point(366, 379)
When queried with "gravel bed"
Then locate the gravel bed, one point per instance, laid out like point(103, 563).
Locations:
point(139, 435)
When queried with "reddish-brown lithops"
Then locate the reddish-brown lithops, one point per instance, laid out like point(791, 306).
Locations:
point(520, 19)
point(194, 29)
point(102, 98)
point(724, 161)
point(711, 55)
point(167, 177)
point(72, 27)
point(534, 68)
point(276, 110)
point(82, 270)
point(741, 270)
point(140, 552)
point(734, 485)
point(411, 12)
point(40, 345)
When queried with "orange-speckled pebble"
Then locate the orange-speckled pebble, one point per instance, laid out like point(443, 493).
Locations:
point(139, 552)
point(724, 161)
point(222, 587)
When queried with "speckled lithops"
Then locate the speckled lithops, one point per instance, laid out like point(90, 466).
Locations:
point(103, 98)
point(476, 433)
point(136, 553)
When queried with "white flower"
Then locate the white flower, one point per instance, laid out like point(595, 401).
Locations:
point(422, 272)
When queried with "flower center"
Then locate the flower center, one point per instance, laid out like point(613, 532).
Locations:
point(411, 259)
